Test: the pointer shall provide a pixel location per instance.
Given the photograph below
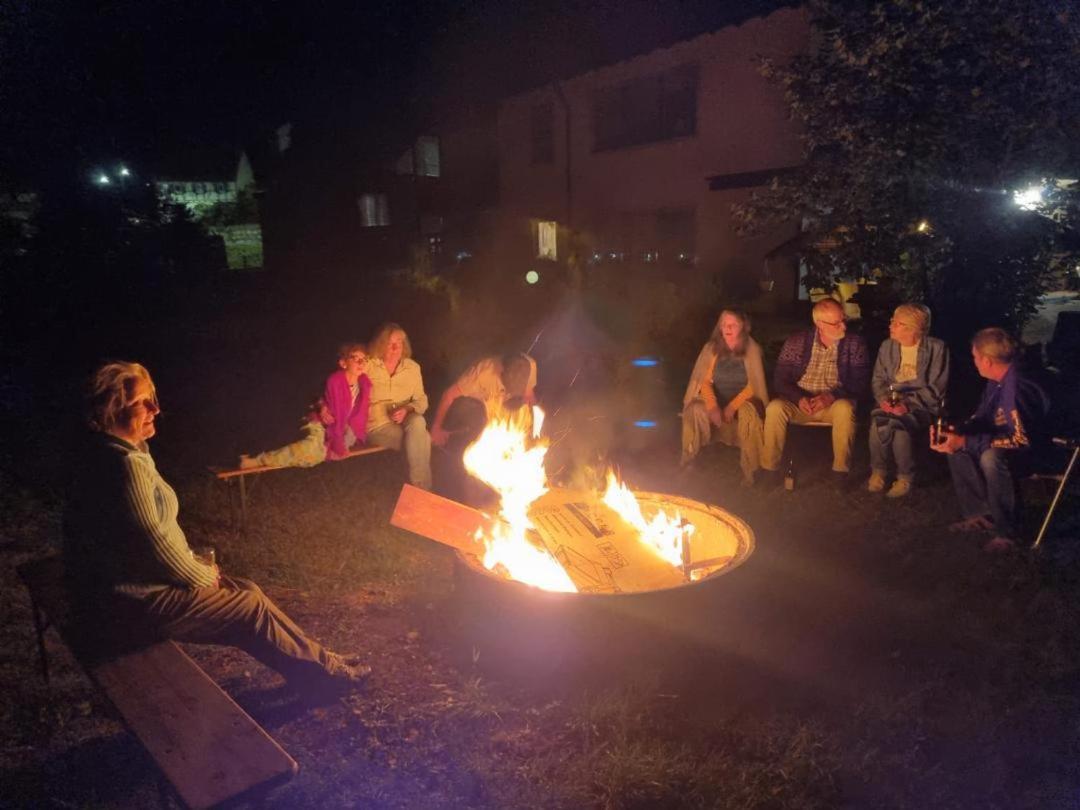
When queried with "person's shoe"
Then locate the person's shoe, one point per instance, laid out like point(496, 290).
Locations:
point(999, 545)
point(876, 482)
point(768, 480)
point(900, 488)
point(842, 480)
point(979, 523)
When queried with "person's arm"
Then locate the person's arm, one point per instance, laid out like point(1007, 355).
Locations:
point(879, 382)
point(418, 399)
point(1025, 409)
point(360, 410)
point(789, 369)
point(854, 370)
point(439, 435)
point(736, 402)
point(164, 536)
point(338, 401)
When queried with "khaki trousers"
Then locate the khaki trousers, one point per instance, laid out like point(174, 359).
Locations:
point(237, 614)
point(744, 432)
point(781, 412)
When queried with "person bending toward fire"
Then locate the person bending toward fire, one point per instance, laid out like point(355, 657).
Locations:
point(487, 388)
point(133, 577)
point(335, 423)
point(988, 452)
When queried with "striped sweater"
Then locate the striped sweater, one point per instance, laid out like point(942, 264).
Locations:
point(120, 525)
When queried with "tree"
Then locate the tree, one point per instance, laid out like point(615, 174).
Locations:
point(920, 119)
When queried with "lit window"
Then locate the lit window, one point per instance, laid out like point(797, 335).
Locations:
point(546, 232)
point(374, 210)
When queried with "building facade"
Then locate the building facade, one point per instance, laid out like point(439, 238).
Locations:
point(635, 166)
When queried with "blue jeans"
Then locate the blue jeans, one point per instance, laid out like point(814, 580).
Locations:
point(985, 486)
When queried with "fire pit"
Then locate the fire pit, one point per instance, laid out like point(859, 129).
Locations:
point(554, 560)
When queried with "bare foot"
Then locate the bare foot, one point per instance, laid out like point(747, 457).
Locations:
point(247, 462)
point(979, 523)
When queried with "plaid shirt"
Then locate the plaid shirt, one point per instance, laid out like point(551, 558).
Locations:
point(821, 372)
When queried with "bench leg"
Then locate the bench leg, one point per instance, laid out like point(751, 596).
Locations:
point(1057, 497)
point(243, 505)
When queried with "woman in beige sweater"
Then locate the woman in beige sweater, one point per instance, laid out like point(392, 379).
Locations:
point(726, 397)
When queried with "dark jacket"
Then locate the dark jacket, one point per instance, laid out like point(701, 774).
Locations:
point(1010, 416)
point(852, 366)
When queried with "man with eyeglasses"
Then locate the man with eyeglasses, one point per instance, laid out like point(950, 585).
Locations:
point(820, 375)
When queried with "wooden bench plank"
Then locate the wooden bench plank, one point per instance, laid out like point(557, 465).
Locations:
point(225, 474)
point(208, 747)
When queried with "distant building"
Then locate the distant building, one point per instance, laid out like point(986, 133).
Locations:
point(219, 191)
point(639, 162)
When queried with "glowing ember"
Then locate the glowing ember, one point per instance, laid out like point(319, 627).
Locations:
point(663, 534)
point(512, 464)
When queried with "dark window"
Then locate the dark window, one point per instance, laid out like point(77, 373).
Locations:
point(647, 109)
point(543, 133)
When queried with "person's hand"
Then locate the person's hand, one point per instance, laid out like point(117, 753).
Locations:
point(729, 413)
point(398, 415)
point(952, 443)
point(439, 437)
point(899, 409)
point(805, 406)
point(821, 402)
point(716, 416)
point(325, 416)
point(887, 406)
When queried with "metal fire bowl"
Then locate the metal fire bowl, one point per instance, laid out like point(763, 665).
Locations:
point(519, 629)
point(720, 543)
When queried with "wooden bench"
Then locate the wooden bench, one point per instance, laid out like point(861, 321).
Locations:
point(210, 750)
point(240, 474)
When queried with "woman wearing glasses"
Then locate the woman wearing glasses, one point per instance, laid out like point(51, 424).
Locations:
point(336, 422)
point(909, 382)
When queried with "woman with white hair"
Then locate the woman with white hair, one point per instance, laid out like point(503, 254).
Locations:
point(909, 382)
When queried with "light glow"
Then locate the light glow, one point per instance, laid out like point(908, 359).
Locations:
point(664, 534)
point(1029, 199)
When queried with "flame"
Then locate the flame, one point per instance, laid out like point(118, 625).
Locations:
point(511, 462)
point(663, 534)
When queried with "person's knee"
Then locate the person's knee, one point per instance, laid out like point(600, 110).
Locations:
point(415, 423)
point(992, 462)
point(844, 409)
point(776, 410)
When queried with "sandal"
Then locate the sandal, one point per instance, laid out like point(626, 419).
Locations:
point(979, 523)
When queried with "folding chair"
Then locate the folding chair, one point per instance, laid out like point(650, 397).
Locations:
point(1063, 480)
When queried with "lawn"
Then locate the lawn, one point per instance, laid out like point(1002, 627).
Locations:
point(863, 657)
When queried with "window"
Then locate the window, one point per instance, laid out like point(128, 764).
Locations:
point(427, 156)
point(374, 210)
point(546, 240)
point(646, 109)
point(542, 127)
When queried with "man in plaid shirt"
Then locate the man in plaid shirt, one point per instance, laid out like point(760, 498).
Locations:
point(819, 376)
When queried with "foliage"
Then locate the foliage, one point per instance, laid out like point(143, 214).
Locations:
point(933, 112)
point(240, 212)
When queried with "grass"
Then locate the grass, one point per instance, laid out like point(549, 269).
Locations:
point(861, 658)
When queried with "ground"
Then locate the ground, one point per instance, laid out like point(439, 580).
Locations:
point(863, 657)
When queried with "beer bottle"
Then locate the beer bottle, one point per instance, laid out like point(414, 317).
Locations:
point(941, 424)
point(789, 476)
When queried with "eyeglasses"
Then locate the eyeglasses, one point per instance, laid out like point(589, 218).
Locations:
point(895, 322)
point(833, 324)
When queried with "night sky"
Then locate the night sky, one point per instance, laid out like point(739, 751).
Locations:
point(135, 79)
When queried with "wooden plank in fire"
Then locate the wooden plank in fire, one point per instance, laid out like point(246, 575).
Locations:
point(600, 552)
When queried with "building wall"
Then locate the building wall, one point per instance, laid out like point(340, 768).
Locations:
point(741, 126)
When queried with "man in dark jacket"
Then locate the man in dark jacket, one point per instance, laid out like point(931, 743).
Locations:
point(985, 451)
point(819, 376)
